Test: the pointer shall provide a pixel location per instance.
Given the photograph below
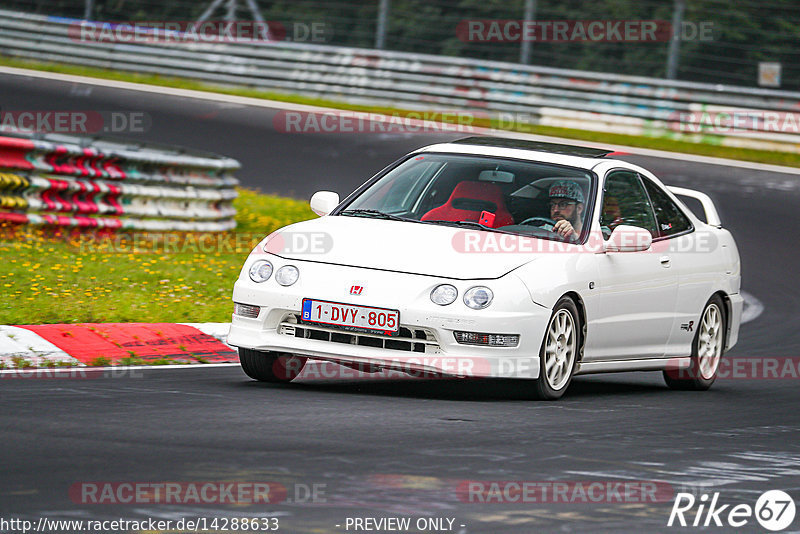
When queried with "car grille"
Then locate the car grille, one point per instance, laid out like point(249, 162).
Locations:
point(410, 339)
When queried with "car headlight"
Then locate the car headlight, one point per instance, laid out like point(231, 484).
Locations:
point(444, 294)
point(287, 275)
point(260, 271)
point(478, 297)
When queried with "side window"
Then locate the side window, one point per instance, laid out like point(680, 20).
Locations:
point(671, 220)
point(625, 201)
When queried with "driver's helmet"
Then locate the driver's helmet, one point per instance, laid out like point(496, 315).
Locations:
point(566, 189)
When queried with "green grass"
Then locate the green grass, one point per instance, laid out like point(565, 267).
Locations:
point(659, 143)
point(52, 276)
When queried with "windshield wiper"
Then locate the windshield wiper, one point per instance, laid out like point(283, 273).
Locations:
point(471, 224)
point(373, 213)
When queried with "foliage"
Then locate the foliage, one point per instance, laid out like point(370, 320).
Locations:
point(59, 276)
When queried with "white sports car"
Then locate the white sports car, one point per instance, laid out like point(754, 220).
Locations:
point(492, 257)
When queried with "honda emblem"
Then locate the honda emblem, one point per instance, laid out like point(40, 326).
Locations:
point(356, 290)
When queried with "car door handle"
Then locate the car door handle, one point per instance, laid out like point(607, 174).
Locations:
point(664, 261)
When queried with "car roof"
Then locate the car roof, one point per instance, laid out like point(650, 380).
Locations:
point(538, 146)
point(572, 155)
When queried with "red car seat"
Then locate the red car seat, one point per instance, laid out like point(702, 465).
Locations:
point(468, 200)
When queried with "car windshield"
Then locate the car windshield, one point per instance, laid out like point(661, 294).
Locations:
point(481, 192)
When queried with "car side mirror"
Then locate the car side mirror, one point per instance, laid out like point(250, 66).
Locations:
point(627, 238)
point(323, 202)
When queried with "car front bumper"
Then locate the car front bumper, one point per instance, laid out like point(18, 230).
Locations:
point(426, 342)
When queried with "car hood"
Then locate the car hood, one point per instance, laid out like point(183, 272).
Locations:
point(408, 247)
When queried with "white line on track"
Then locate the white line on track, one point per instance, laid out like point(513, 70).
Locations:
point(273, 104)
point(114, 371)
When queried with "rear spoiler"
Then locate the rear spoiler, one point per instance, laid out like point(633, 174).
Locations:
point(712, 217)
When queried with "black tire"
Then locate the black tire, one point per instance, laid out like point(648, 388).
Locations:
point(697, 377)
point(277, 367)
point(552, 386)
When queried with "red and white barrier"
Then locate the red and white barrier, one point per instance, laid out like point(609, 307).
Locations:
point(59, 180)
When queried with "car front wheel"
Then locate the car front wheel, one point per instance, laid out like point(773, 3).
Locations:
point(559, 352)
point(707, 349)
point(270, 366)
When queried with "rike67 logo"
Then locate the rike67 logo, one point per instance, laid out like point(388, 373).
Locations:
point(774, 510)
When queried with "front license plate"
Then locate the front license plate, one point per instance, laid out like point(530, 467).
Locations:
point(352, 317)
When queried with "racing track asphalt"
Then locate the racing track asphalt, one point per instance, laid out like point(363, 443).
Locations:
point(401, 447)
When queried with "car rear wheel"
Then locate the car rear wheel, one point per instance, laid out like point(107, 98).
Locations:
point(707, 349)
point(270, 366)
point(559, 352)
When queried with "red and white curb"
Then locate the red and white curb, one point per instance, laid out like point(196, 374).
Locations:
point(86, 344)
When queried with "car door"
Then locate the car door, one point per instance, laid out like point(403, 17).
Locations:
point(688, 251)
point(637, 290)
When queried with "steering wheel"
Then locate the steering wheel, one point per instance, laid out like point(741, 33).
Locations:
point(542, 222)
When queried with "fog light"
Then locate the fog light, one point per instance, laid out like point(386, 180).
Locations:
point(488, 340)
point(245, 310)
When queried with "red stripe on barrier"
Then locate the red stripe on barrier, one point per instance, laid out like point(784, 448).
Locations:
point(14, 217)
point(94, 165)
point(13, 151)
point(111, 198)
point(147, 341)
point(111, 166)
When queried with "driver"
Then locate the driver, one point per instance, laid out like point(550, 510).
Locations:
point(566, 208)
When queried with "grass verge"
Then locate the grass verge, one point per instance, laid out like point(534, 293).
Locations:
point(59, 276)
point(658, 143)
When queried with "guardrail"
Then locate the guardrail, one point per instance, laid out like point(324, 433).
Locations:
point(695, 112)
point(65, 180)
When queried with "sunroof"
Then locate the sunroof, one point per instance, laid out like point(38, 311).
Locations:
point(553, 148)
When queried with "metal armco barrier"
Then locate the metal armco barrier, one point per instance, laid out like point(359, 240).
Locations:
point(505, 91)
point(59, 180)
